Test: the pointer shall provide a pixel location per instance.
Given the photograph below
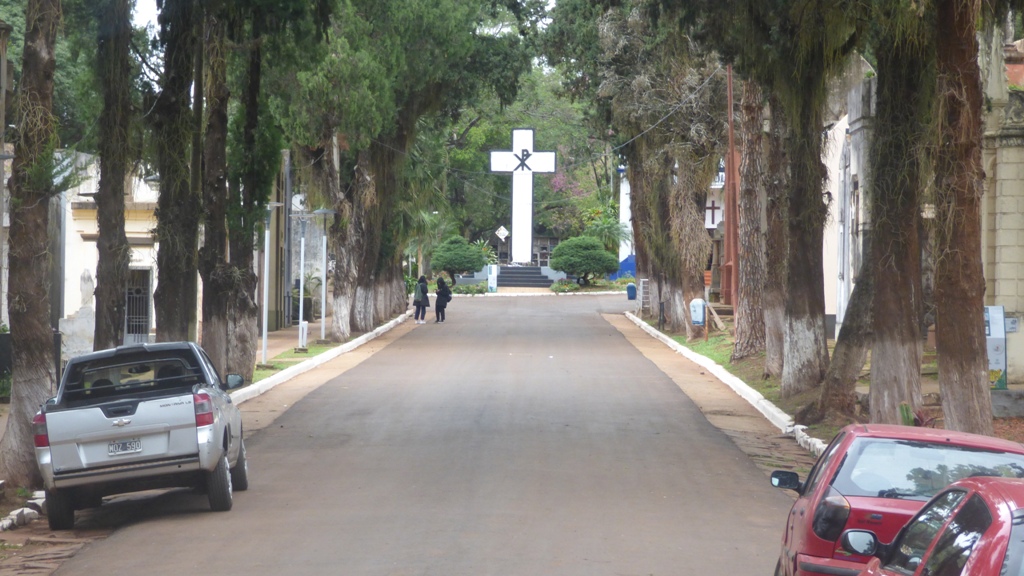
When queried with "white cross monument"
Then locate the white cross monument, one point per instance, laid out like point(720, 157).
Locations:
point(522, 162)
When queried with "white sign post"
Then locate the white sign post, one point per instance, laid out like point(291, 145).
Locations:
point(492, 277)
point(522, 162)
point(995, 340)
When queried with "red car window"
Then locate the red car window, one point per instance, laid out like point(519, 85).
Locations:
point(891, 468)
point(814, 477)
point(958, 539)
point(908, 550)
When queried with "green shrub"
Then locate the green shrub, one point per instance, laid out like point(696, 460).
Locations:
point(563, 286)
point(457, 256)
point(477, 288)
point(487, 250)
point(583, 257)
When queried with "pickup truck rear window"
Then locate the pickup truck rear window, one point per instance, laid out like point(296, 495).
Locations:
point(129, 376)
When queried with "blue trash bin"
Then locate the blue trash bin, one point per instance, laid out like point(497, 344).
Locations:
point(631, 291)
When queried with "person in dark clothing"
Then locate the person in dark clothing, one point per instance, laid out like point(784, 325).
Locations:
point(421, 301)
point(444, 296)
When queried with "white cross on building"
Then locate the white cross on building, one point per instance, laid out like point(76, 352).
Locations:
point(522, 162)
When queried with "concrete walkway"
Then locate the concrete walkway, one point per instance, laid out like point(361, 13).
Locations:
point(286, 340)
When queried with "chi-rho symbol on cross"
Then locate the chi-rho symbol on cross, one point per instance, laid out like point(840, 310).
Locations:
point(522, 161)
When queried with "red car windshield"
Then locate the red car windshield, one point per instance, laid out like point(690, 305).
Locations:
point(889, 468)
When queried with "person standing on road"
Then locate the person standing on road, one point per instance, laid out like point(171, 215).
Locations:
point(444, 296)
point(421, 301)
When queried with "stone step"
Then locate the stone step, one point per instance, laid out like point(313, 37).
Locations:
point(523, 277)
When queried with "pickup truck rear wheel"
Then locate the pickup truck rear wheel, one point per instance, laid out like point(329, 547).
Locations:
point(240, 473)
point(218, 485)
point(60, 510)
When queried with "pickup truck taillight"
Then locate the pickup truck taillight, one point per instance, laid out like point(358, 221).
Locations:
point(39, 434)
point(204, 409)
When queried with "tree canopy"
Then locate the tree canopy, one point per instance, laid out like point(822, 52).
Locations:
point(457, 256)
point(583, 257)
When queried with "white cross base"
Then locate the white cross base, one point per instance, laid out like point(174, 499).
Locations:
point(522, 162)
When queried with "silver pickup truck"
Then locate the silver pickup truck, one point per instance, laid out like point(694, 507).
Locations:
point(137, 418)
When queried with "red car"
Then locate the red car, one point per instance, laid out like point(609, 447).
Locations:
point(876, 477)
point(973, 528)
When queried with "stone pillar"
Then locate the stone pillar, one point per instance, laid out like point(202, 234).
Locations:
point(1003, 201)
point(851, 210)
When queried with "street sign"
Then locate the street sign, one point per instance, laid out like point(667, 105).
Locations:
point(502, 233)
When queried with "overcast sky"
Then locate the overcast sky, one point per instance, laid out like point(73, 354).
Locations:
point(145, 12)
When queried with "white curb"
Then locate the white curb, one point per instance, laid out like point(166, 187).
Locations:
point(510, 294)
point(254, 390)
point(774, 415)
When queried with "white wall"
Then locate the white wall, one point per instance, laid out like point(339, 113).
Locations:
point(80, 229)
point(625, 216)
point(831, 245)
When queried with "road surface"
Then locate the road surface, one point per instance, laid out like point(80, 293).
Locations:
point(524, 436)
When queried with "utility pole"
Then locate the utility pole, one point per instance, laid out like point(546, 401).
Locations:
point(730, 268)
point(286, 159)
point(5, 34)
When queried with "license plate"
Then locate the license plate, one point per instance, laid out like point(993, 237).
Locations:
point(118, 447)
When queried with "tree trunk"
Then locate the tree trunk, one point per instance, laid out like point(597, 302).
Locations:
point(379, 258)
point(113, 21)
point(749, 315)
point(178, 209)
point(666, 208)
point(774, 299)
point(212, 257)
point(805, 344)
point(347, 235)
point(959, 278)
point(839, 388)
point(838, 399)
point(673, 297)
point(28, 306)
point(243, 337)
point(902, 92)
point(243, 312)
point(690, 238)
point(343, 293)
point(344, 280)
point(693, 288)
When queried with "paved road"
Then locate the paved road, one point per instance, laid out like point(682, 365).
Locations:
point(524, 436)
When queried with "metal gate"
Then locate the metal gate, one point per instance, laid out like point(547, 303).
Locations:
point(136, 317)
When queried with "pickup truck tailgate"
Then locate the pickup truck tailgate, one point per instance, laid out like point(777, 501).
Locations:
point(122, 432)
